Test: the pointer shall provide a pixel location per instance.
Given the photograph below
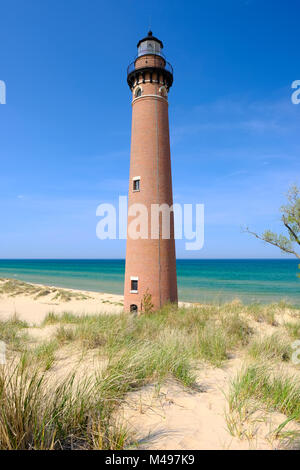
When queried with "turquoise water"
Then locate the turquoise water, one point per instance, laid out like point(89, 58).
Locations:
point(198, 280)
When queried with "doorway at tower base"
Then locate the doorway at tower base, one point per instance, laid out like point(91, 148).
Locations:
point(146, 305)
point(133, 308)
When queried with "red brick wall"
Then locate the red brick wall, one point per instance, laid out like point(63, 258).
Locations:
point(149, 60)
point(152, 261)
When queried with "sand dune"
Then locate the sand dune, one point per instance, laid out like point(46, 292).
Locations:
point(33, 305)
point(165, 417)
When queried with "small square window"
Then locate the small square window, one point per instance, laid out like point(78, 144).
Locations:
point(134, 285)
point(136, 184)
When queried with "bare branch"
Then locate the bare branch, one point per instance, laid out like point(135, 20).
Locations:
point(272, 242)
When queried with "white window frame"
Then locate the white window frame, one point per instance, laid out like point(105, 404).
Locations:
point(136, 178)
point(133, 278)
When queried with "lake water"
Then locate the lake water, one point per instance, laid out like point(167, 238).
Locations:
point(198, 280)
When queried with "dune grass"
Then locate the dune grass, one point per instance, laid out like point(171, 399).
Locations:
point(14, 287)
point(205, 334)
point(217, 339)
point(44, 353)
point(37, 413)
point(278, 391)
point(64, 335)
point(273, 347)
point(257, 390)
point(293, 329)
point(263, 313)
point(13, 332)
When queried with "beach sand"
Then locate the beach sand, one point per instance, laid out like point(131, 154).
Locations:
point(171, 417)
point(33, 307)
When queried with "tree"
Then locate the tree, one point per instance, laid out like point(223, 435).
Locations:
point(291, 220)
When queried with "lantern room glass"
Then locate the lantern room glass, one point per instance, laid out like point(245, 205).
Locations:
point(149, 47)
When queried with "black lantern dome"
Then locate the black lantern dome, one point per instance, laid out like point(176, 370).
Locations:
point(149, 45)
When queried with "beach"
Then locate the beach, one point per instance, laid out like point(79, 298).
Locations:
point(64, 330)
point(33, 306)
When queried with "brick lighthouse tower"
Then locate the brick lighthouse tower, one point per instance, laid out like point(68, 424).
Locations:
point(150, 257)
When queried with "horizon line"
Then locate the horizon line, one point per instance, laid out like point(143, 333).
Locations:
point(123, 259)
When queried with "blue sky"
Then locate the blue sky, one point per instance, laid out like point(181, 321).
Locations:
point(65, 130)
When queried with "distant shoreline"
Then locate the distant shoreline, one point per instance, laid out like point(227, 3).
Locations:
point(203, 281)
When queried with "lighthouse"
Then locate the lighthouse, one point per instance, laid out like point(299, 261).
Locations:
point(150, 254)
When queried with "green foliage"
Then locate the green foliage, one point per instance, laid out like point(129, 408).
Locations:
point(291, 220)
point(281, 241)
point(291, 213)
point(147, 305)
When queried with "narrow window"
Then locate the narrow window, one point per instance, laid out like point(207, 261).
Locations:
point(136, 184)
point(138, 92)
point(134, 285)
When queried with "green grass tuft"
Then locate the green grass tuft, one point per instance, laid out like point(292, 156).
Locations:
point(44, 353)
point(11, 332)
point(277, 391)
point(37, 415)
point(293, 329)
point(274, 347)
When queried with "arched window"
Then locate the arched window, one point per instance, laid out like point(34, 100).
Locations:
point(138, 92)
point(163, 91)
